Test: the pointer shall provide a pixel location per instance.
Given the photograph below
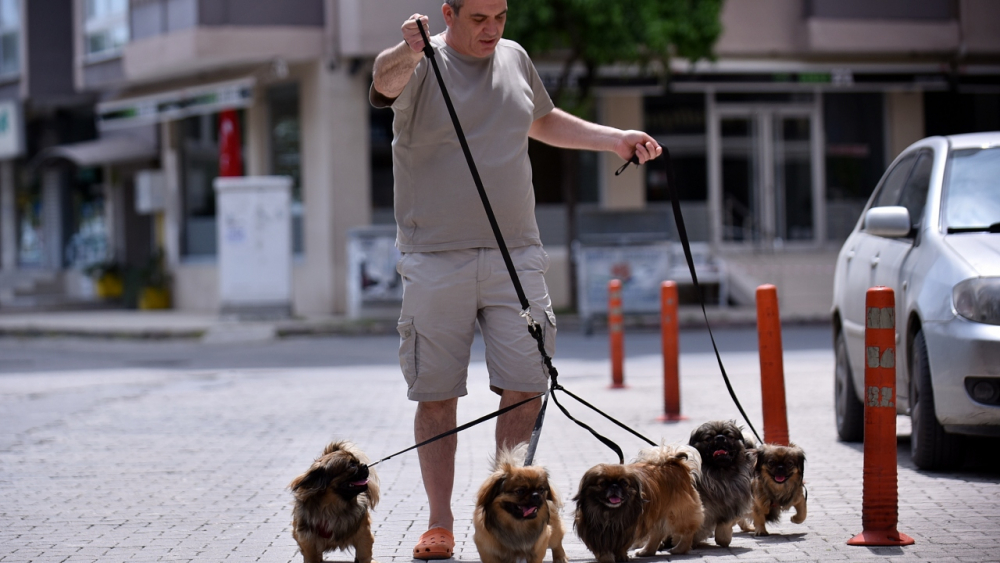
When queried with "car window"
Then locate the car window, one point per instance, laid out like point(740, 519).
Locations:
point(895, 179)
point(914, 195)
point(972, 199)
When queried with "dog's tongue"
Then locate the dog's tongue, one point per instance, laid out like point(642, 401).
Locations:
point(719, 452)
point(529, 510)
point(360, 483)
point(615, 500)
point(780, 478)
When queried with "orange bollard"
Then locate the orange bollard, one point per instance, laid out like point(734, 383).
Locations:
point(772, 369)
point(671, 352)
point(616, 330)
point(880, 496)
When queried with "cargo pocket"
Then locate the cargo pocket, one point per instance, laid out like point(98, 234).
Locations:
point(407, 350)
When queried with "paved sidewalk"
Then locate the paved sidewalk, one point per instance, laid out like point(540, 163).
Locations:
point(192, 465)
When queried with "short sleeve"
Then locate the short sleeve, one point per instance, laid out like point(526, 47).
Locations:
point(543, 103)
point(405, 98)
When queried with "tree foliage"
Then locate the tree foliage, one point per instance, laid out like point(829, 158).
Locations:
point(596, 33)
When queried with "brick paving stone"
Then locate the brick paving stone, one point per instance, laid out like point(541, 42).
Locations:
point(193, 465)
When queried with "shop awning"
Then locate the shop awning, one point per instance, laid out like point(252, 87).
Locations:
point(175, 104)
point(106, 150)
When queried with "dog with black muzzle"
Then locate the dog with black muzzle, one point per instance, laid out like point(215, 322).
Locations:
point(332, 506)
point(726, 473)
point(778, 486)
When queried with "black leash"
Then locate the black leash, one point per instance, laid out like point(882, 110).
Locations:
point(682, 234)
point(533, 327)
point(479, 420)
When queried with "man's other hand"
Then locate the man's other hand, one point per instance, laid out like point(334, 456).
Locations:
point(639, 144)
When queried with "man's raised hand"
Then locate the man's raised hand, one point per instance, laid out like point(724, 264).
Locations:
point(411, 34)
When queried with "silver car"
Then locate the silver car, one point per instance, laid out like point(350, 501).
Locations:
point(931, 232)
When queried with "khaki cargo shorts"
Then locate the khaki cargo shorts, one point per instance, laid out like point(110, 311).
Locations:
point(445, 294)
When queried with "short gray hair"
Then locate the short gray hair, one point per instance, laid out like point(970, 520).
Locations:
point(456, 5)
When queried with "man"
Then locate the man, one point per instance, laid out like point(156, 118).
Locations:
point(453, 274)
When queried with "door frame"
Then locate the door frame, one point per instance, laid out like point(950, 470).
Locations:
point(715, 112)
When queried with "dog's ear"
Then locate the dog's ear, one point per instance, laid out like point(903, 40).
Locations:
point(759, 456)
point(311, 482)
point(491, 489)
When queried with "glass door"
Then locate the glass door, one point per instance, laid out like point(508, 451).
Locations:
point(764, 180)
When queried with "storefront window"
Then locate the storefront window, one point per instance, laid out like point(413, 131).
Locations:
point(10, 37)
point(30, 246)
point(854, 157)
point(88, 239)
point(286, 152)
point(105, 27)
point(677, 121)
point(199, 169)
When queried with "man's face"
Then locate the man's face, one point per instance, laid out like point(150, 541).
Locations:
point(476, 29)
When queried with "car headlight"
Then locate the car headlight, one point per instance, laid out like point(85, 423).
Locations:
point(978, 299)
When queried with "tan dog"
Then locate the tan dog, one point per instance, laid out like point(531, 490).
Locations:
point(674, 508)
point(777, 485)
point(332, 503)
point(517, 513)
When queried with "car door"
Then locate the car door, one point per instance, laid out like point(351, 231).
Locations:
point(895, 253)
point(865, 254)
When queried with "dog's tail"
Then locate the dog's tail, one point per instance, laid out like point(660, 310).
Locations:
point(669, 454)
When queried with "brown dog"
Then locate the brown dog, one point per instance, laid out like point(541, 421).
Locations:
point(777, 485)
point(674, 509)
point(517, 513)
point(640, 504)
point(332, 503)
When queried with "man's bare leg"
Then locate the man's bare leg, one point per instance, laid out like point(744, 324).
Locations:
point(437, 459)
point(515, 426)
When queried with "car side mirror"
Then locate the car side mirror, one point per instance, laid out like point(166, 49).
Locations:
point(890, 221)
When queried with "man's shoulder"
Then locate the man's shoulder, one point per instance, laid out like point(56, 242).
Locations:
point(512, 48)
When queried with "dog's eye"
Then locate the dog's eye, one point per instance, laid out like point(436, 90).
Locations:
point(519, 491)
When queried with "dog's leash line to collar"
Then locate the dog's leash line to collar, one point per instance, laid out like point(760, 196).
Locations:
point(685, 243)
point(458, 429)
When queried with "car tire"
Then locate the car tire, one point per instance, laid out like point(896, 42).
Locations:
point(930, 446)
point(850, 412)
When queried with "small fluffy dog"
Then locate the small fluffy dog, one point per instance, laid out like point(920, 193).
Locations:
point(777, 485)
point(332, 503)
point(640, 504)
point(726, 473)
point(517, 513)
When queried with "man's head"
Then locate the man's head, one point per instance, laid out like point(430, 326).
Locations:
point(474, 26)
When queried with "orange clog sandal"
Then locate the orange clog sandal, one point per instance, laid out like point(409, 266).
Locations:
point(436, 543)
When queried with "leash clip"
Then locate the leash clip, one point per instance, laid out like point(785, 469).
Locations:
point(526, 313)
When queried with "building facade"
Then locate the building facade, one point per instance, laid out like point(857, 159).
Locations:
point(777, 143)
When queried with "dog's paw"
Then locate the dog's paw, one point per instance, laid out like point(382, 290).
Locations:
point(761, 532)
point(798, 519)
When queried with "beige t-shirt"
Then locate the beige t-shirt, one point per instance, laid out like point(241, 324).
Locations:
point(497, 98)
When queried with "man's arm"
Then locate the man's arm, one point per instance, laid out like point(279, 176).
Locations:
point(560, 129)
point(394, 66)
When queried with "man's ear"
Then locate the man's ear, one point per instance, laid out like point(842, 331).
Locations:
point(449, 14)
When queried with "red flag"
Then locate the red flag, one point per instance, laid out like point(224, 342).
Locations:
point(230, 159)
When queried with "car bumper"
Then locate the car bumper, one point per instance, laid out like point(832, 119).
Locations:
point(957, 349)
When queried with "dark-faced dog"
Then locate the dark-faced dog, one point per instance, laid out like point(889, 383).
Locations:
point(727, 467)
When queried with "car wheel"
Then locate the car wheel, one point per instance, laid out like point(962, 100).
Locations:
point(850, 412)
point(930, 446)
